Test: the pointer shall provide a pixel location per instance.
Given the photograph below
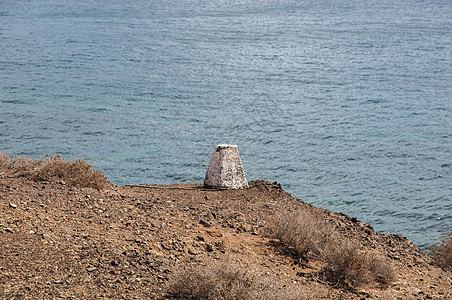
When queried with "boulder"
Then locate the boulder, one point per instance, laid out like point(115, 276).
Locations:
point(225, 169)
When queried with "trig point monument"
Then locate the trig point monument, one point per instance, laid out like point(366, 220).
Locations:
point(225, 169)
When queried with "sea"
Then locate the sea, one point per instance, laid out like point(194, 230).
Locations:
point(347, 104)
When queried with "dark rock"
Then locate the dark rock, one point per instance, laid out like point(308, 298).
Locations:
point(204, 223)
point(209, 248)
point(114, 263)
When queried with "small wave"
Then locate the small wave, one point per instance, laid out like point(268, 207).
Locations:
point(93, 133)
point(97, 109)
point(15, 101)
point(375, 101)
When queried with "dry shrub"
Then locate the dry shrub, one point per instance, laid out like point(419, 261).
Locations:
point(442, 253)
point(225, 280)
point(346, 265)
point(302, 230)
point(310, 235)
point(19, 166)
point(380, 270)
point(77, 172)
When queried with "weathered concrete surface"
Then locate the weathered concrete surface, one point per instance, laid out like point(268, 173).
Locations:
point(225, 169)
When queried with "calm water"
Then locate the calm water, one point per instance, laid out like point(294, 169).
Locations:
point(346, 103)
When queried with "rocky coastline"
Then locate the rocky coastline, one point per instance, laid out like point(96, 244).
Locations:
point(60, 241)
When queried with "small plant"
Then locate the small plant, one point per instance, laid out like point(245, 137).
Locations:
point(77, 172)
point(380, 270)
point(346, 266)
point(19, 166)
point(311, 236)
point(442, 253)
point(304, 231)
point(225, 280)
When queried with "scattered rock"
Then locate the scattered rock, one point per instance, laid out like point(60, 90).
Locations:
point(115, 263)
point(215, 234)
point(205, 223)
point(247, 228)
point(81, 251)
point(193, 251)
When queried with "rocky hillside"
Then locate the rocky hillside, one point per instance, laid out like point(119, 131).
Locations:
point(58, 241)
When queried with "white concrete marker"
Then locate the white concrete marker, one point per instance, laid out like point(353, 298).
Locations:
point(225, 169)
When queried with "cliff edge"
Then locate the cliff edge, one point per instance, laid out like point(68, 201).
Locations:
point(59, 241)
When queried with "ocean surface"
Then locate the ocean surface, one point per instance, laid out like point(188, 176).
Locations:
point(347, 104)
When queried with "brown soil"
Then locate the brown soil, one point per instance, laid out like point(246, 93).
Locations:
point(60, 241)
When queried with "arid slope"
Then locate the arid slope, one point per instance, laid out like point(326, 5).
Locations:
point(61, 241)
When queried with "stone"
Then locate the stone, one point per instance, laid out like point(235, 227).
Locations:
point(225, 170)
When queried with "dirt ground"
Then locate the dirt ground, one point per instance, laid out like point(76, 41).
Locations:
point(124, 242)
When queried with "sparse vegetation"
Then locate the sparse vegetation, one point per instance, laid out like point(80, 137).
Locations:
point(127, 242)
point(346, 265)
point(77, 172)
point(226, 280)
point(380, 270)
point(311, 236)
point(442, 253)
point(304, 232)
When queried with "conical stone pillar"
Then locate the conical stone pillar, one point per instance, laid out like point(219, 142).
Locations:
point(225, 169)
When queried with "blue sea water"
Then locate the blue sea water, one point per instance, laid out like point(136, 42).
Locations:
point(346, 103)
